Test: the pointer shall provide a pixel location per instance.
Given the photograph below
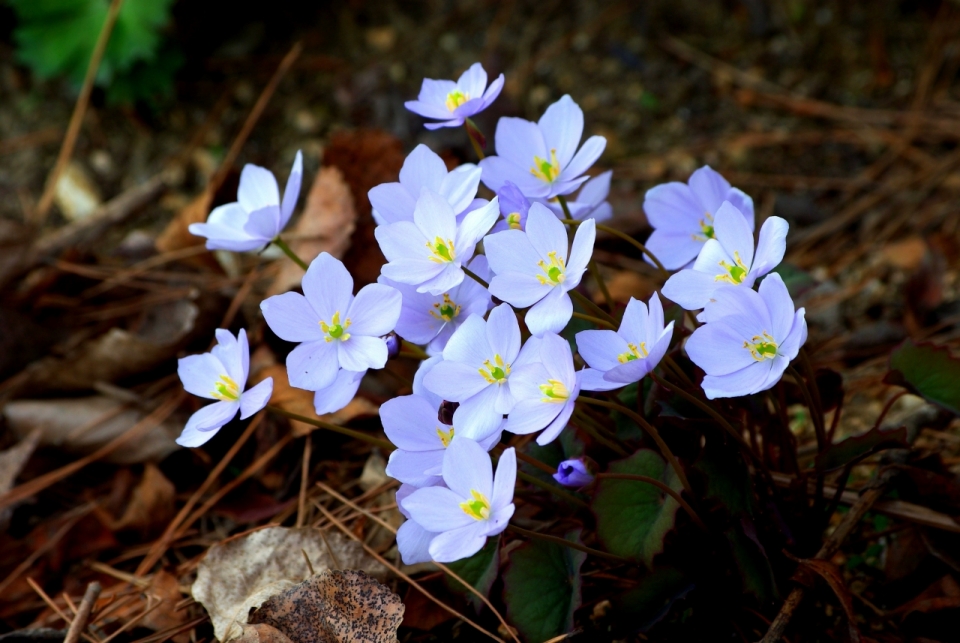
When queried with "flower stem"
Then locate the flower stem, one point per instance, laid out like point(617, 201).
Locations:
point(472, 131)
point(359, 435)
point(568, 543)
point(626, 237)
point(412, 350)
point(475, 277)
point(592, 307)
point(280, 243)
point(595, 320)
point(651, 431)
point(808, 398)
point(584, 424)
point(662, 487)
point(537, 482)
point(595, 271)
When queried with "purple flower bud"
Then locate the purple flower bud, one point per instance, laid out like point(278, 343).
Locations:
point(445, 412)
point(393, 344)
point(574, 473)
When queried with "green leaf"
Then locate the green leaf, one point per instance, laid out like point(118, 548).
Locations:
point(480, 570)
point(756, 574)
point(633, 517)
point(927, 370)
point(541, 588)
point(794, 278)
point(840, 454)
point(648, 602)
point(726, 478)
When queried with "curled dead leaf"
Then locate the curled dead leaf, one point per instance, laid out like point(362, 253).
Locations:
point(262, 633)
point(326, 224)
point(83, 425)
point(339, 606)
point(241, 573)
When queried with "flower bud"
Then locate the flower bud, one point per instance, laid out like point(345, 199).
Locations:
point(393, 344)
point(445, 412)
point(575, 472)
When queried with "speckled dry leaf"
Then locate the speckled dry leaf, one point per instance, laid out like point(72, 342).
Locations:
point(299, 401)
point(327, 221)
point(335, 607)
point(262, 633)
point(244, 571)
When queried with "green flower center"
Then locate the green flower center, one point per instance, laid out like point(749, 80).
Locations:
point(554, 392)
point(545, 170)
point(456, 98)
point(554, 272)
point(495, 372)
point(635, 352)
point(441, 251)
point(735, 272)
point(445, 436)
point(335, 329)
point(478, 508)
point(445, 311)
point(763, 347)
point(225, 390)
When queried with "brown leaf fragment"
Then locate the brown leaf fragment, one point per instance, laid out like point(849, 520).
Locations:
point(165, 589)
point(12, 462)
point(338, 606)
point(151, 503)
point(262, 633)
point(326, 225)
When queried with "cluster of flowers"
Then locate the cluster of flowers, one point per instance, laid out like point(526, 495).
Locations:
point(437, 290)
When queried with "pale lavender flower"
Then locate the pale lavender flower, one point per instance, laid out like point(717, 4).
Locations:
point(258, 216)
point(542, 158)
point(339, 393)
point(220, 375)
point(413, 541)
point(454, 102)
point(336, 329)
point(473, 505)
point(546, 389)
point(748, 340)
point(429, 251)
point(728, 258)
point(423, 168)
point(432, 319)
point(590, 202)
point(573, 473)
point(475, 371)
point(682, 215)
point(531, 268)
point(627, 355)
point(513, 209)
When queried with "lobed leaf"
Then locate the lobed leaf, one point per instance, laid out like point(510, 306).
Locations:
point(928, 370)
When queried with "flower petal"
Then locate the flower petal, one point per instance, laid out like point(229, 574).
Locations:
point(422, 168)
point(505, 480)
point(771, 246)
point(328, 287)
point(291, 191)
point(258, 188)
point(531, 415)
point(459, 187)
point(205, 423)
point(410, 422)
point(313, 365)
point(410, 467)
point(503, 332)
point(362, 352)
point(458, 544)
point(292, 317)
point(518, 141)
point(580, 253)
point(413, 541)
point(562, 127)
point(454, 381)
point(674, 249)
point(718, 349)
point(710, 188)
point(599, 348)
point(690, 289)
point(476, 224)
point(592, 380)
point(467, 468)
point(511, 251)
point(733, 233)
point(438, 508)
point(200, 373)
point(336, 396)
point(391, 203)
point(374, 310)
point(589, 152)
point(473, 81)
point(255, 398)
point(551, 314)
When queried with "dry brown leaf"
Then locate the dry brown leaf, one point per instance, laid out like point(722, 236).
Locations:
point(622, 286)
point(12, 462)
point(262, 633)
point(165, 588)
point(326, 224)
point(176, 235)
point(241, 573)
point(341, 606)
point(151, 503)
point(118, 353)
point(83, 425)
point(299, 401)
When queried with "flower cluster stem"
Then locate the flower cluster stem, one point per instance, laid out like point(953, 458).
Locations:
point(626, 237)
point(652, 432)
point(585, 302)
point(412, 350)
point(567, 543)
point(557, 491)
point(359, 435)
point(471, 127)
point(475, 277)
point(596, 320)
point(280, 243)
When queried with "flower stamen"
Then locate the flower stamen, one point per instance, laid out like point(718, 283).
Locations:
point(446, 437)
point(554, 273)
point(635, 352)
point(763, 347)
point(445, 311)
point(335, 330)
point(513, 220)
point(706, 229)
point(545, 170)
point(478, 508)
point(554, 392)
point(226, 390)
point(442, 251)
point(735, 273)
point(456, 98)
point(497, 372)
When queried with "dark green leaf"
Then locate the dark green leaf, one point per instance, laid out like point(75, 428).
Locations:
point(634, 517)
point(928, 370)
point(541, 588)
point(726, 477)
point(796, 280)
point(480, 570)
point(840, 454)
point(647, 603)
point(756, 574)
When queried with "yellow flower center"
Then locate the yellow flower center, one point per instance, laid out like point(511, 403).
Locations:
point(554, 391)
point(635, 352)
point(545, 170)
point(456, 98)
point(763, 347)
point(335, 330)
point(445, 311)
point(441, 251)
point(445, 436)
point(735, 272)
point(553, 273)
point(478, 508)
point(706, 228)
point(496, 372)
point(225, 390)
point(513, 220)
